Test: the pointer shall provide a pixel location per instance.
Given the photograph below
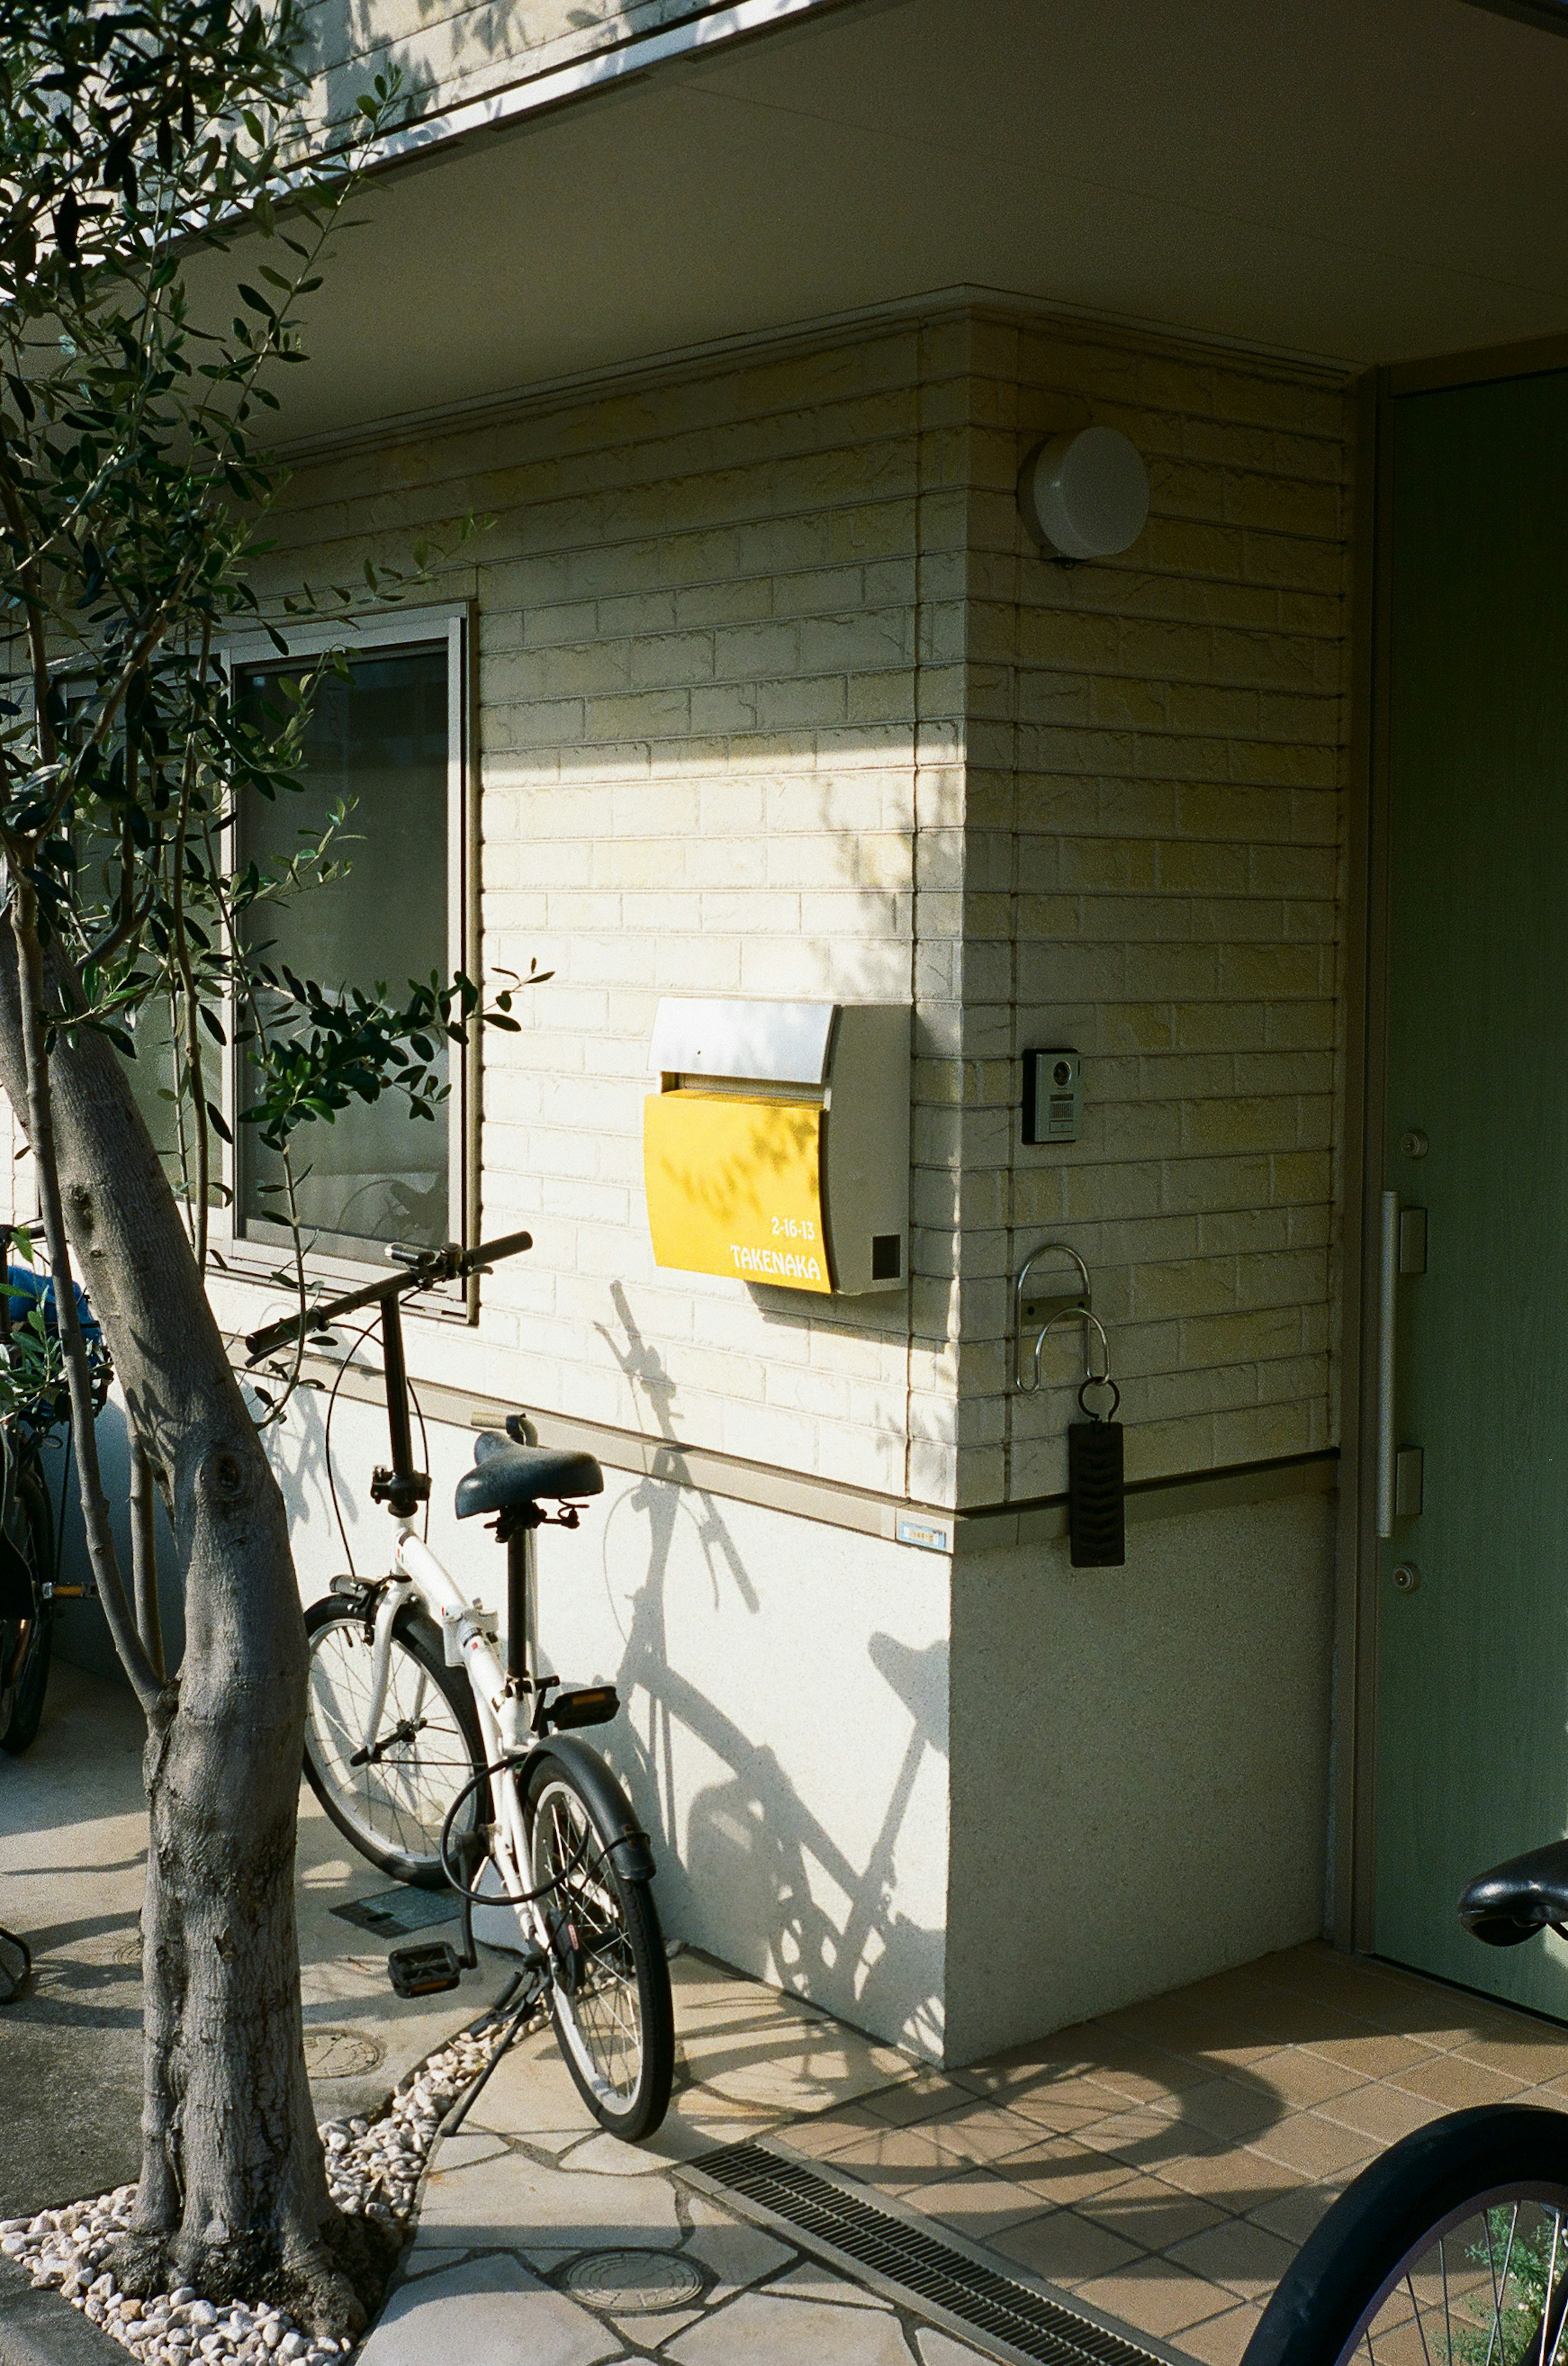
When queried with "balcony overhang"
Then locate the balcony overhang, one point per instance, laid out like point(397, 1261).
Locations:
point(1350, 181)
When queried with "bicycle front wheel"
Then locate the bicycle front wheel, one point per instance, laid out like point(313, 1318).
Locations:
point(609, 1994)
point(389, 1795)
point(1452, 2246)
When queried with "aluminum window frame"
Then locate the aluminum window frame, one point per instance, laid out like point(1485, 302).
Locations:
point(250, 1248)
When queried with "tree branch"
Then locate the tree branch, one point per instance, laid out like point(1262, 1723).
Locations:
point(144, 1553)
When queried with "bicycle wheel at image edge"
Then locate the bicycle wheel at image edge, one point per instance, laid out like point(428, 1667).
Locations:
point(390, 1799)
point(28, 1526)
point(610, 1995)
point(1452, 2246)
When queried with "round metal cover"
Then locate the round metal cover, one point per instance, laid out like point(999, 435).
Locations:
point(633, 2284)
point(339, 2053)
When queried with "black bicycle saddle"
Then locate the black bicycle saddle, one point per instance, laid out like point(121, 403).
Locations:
point(505, 1474)
point(1515, 1900)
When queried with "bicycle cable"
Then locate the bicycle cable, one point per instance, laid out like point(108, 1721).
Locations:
point(327, 1444)
point(502, 1896)
point(424, 1448)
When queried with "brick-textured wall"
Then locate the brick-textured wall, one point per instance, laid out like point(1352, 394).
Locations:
point(720, 624)
point(1155, 745)
point(775, 697)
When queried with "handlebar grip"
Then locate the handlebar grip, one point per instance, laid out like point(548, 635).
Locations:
point(492, 1252)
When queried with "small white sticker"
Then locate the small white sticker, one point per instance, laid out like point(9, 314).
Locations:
point(921, 1532)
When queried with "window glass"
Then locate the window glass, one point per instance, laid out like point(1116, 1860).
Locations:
point(378, 741)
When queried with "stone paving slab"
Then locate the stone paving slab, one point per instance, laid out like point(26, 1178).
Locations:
point(530, 2193)
point(1157, 2167)
point(39, 2329)
point(489, 2312)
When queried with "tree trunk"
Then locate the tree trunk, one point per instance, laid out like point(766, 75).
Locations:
point(233, 2196)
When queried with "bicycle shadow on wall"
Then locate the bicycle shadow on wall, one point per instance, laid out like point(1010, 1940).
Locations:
point(755, 1854)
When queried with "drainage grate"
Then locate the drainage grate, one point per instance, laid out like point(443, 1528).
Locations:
point(392, 1912)
point(932, 2271)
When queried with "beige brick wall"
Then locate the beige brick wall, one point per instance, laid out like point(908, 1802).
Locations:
point(719, 626)
point(1154, 748)
point(777, 698)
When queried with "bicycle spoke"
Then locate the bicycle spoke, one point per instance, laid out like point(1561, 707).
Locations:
point(600, 1998)
point(393, 1787)
point(1490, 2289)
point(1508, 2261)
point(1551, 2282)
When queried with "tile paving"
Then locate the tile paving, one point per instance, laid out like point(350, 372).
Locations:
point(1161, 2165)
point(1202, 2134)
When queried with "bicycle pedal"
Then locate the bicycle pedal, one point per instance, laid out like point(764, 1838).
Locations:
point(424, 1970)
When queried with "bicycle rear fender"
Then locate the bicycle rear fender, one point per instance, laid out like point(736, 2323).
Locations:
point(630, 1850)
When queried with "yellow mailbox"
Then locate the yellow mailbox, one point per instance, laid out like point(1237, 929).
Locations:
point(776, 1148)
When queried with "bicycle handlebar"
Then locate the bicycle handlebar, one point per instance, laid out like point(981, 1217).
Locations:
point(450, 1264)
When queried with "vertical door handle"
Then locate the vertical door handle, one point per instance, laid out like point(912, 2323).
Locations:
point(1387, 1312)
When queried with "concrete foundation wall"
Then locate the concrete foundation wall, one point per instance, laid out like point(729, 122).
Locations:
point(1140, 1764)
point(956, 1801)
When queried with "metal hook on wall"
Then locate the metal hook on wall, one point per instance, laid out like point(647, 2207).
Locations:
point(1040, 1313)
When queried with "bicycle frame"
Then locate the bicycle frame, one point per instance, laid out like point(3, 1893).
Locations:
point(501, 1701)
point(502, 1693)
point(592, 1946)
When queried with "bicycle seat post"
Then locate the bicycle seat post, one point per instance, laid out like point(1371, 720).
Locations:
point(520, 1598)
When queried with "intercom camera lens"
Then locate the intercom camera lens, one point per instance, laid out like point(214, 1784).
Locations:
point(1062, 1073)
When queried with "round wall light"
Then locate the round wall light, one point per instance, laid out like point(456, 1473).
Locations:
point(1084, 495)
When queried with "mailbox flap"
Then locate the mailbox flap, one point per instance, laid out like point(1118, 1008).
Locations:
point(734, 1187)
point(772, 1042)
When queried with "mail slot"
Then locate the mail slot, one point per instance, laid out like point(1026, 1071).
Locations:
point(776, 1147)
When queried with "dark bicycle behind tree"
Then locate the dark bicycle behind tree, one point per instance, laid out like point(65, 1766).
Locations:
point(35, 1419)
point(35, 1416)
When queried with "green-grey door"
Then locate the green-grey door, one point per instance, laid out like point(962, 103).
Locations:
point(1472, 1655)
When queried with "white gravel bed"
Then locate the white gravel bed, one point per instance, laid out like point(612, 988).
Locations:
point(374, 2169)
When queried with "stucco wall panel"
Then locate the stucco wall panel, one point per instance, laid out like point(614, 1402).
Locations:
point(1140, 1765)
point(784, 1734)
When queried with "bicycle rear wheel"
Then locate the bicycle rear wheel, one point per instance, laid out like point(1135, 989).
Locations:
point(26, 1645)
point(609, 1994)
point(390, 1799)
point(1452, 2246)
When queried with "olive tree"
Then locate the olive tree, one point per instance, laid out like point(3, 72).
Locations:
point(134, 491)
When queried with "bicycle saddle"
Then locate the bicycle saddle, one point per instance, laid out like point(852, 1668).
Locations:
point(1515, 1900)
point(504, 1474)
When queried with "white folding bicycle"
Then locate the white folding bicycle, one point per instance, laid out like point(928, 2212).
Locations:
point(439, 1752)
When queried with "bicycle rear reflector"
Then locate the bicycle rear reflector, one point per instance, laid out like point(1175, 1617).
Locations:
point(424, 1971)
point(589, 1704)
